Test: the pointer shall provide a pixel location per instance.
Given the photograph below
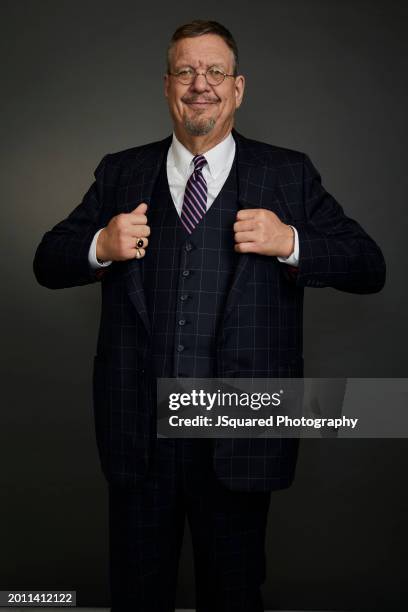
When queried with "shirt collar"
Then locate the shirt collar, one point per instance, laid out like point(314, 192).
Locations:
point(217, 157)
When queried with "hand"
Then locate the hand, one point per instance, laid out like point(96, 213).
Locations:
point(117, 241)
point(258, 230)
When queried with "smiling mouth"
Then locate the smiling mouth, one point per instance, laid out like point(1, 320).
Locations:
point(200, 103)
point(200, 106)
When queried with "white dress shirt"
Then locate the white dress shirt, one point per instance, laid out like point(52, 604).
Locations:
point(179, 168)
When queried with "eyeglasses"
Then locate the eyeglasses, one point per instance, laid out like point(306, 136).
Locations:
point(214, 75)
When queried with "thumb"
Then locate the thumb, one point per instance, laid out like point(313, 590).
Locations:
point(140, 208)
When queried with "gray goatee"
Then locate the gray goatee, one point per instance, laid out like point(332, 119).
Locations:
point(199, 128)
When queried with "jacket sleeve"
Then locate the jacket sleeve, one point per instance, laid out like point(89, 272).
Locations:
point(335, 251)
point(61, 259)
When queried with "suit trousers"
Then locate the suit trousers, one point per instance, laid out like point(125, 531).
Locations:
point(146, 528)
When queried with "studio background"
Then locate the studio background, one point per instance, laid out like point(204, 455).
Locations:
point(82, 79)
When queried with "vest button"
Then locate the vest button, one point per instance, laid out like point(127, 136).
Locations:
point(188, 246)
point(182, 322)
point(180, 348)
point(186, 272)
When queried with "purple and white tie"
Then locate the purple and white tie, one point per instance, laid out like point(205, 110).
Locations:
point(195, 196)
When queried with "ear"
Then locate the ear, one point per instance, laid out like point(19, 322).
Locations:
point(239, 90)
point(166, 85)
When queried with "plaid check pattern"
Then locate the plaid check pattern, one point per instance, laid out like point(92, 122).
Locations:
point(146, 531)
point(260, 331)
point(186, 278)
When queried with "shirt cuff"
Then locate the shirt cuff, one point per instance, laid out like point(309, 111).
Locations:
point(94, 262)
point(293, 259)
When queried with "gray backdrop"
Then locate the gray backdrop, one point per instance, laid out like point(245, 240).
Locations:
point(82, 79)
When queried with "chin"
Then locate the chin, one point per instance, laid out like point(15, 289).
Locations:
point(199, 128)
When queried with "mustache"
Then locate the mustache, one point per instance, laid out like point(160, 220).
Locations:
point(192, 99)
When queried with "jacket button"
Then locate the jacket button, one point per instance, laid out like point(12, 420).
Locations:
point(182, 322)
point(186, 272)
point(180, 348)
point(183, 297)
point(188, 246)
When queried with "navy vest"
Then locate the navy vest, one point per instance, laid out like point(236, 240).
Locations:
point(186, 279)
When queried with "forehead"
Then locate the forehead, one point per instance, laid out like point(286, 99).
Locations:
point(203, 50)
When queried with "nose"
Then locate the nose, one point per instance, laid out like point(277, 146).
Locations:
point(200, 83)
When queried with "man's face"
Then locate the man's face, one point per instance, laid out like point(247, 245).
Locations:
point(199, 108)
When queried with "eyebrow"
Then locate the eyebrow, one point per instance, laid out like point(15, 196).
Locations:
point(186, 65)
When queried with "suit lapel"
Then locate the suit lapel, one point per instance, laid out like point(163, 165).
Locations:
point(251, 180)
point(252, 173)
point(143, 178)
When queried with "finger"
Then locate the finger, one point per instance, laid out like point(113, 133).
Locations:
point(246, 247)
point(139, 253)
point(242, 226)
point(245, 236)
point(138, 231)
point(136, 218)
point(140, 208)
point(246, 213)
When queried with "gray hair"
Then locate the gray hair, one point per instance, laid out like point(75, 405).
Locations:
point(199, 27)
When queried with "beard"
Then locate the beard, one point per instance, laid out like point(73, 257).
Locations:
point(198, 124)
point(198, 127)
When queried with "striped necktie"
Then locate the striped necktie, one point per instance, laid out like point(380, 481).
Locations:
point(195, 196)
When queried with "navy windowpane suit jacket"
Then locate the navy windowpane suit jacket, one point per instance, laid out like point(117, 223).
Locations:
point(334, 252)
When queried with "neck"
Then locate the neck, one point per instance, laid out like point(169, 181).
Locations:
point(198, 145)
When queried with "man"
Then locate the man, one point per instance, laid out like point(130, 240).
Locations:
point(203, 244)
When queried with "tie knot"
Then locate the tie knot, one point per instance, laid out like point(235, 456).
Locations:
point(199, 162)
